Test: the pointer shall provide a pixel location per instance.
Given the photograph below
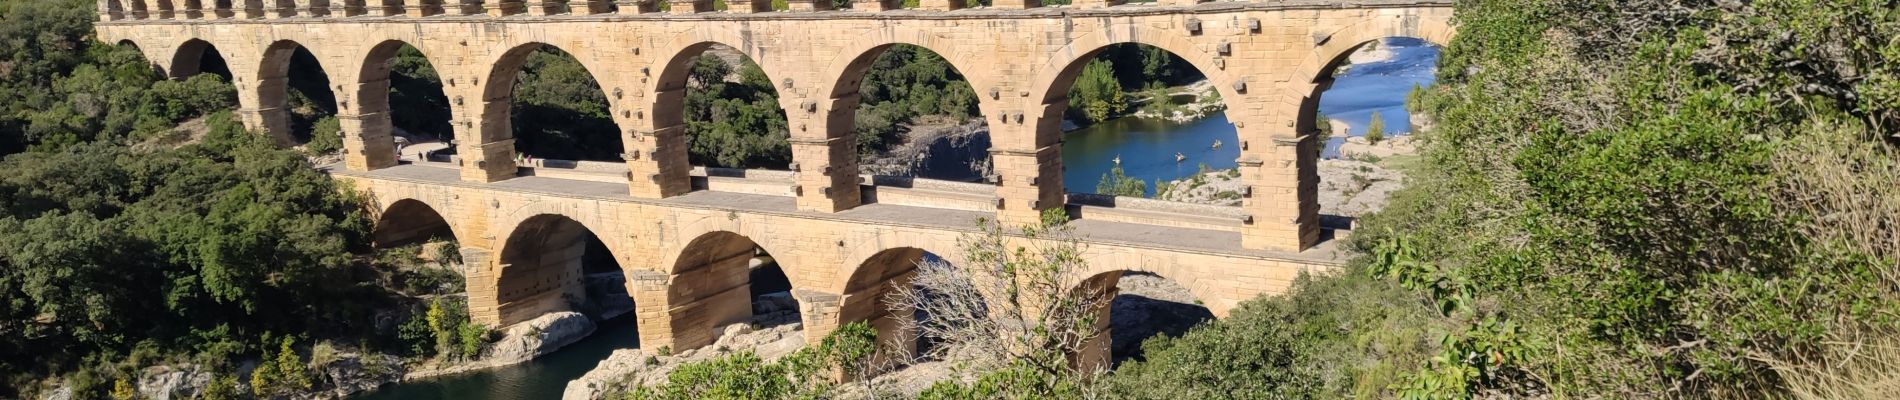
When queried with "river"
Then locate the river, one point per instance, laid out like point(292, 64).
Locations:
point(542, 378)
point(1147, 147)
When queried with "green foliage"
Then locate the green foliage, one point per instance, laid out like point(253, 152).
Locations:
point(326, 137)
point(734, 121)
point(1117, 183)
point(905, 83)
point(804, 374)
point(1018, 381)
point(185, 247)
point(471, 337)
point(290, 368)
point(122, 390)
point(1375, 130)
point(1097, 94)
point(1344, 336)
point(415, 89)
point(223, 387)
point(560, 112)
point(1651, 244)
point(281, 371)
point(449, 327)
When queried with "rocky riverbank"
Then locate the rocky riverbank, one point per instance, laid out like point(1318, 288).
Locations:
point(904, 158)
point(1354, 185)
point(774, 332)
point(1203, 101)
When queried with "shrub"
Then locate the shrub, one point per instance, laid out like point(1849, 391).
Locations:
point(326, 137)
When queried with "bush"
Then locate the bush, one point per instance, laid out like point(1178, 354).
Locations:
point(1344, 336)
point(804, 374)
point(326, 137)
point(1375, 130)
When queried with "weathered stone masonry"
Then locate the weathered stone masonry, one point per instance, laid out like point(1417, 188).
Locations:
point(1269, 61)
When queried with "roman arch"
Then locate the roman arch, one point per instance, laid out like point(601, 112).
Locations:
point(838, 233)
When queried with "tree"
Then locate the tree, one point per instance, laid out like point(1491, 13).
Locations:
point(1118, 183)
point(1375, 130)
point(1096, 94)
point(290, 370)
point(1018, 311)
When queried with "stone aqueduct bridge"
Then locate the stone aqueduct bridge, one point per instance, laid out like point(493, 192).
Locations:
point(685, 237)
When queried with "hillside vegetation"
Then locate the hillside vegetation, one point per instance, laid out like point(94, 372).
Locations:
point(1621, 199)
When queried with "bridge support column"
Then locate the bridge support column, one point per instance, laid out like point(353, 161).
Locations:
point(273, 121)
point(713, 298)
point(281, 9)
point(250, 9)
point(651, 308)
point(264, 110)
point(193, 9)
point(368, 144)
point(481, 275)
point(587, 7)
point(743, 6)
point(1015, 4)
point(942, 5)
point(808, 5)
point(488, 162)
point(692, 6)
point(875, 5)
point(344, 8)
point(1029, 181)
point(416, 9)
point(1284, 199)
point(544, 7)
point(213, 11)
point(638, 6)
point(819, 312)
point(163, 13)
point(315, 8)
point(385, 8)
point(463, 7)
point(657, 164)
point(502, 8)
point(827, 174)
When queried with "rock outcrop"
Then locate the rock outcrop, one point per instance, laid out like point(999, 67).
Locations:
point(770, 335)
point(352, 373)
point(167, 382)
point(538, 336)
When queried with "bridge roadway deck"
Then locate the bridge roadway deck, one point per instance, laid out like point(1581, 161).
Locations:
point(1328, 253)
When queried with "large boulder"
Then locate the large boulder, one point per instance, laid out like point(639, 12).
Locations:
point(166, 382)
point(539, 336)
point(352, 373)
